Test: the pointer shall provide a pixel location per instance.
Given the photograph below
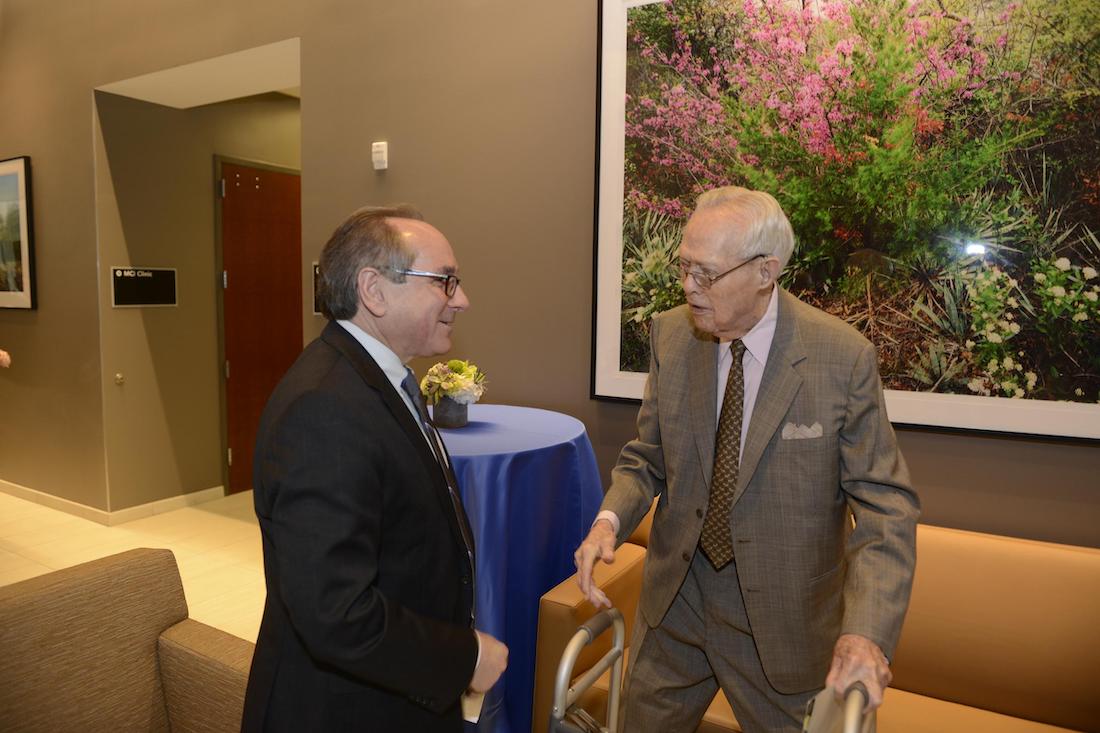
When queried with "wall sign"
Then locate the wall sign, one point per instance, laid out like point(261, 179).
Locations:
point(143, 287)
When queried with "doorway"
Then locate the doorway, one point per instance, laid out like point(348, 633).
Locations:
point(260, 250)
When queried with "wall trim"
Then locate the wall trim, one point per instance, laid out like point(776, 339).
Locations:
point(121, 516)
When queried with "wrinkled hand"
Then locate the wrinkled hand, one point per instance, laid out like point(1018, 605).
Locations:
point(598, 545)
point(491, 665)
point(858, 659)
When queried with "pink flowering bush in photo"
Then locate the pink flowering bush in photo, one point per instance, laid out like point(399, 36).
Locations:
point(937, 159)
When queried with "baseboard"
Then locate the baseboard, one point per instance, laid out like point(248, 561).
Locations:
point(112, 518)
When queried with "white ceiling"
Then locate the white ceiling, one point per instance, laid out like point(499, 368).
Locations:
point(270, 68)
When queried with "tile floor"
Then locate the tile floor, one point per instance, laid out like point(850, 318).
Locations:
point(217, 548)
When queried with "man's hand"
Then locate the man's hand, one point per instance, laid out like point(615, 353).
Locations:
point(858, 659)
point(598, 545)
point(491, 665)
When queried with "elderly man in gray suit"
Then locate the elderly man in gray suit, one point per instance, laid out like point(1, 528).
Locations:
point(784, 537)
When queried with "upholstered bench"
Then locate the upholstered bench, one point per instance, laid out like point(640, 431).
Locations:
point(1002, 635)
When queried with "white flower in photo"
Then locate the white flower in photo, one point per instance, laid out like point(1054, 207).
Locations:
point(1008, 387)
point(1014, 303)
point(1079, 392)
point(1080, 316)
point(1091, 296)
point(1058, 291)
point(1014, 328)
point(993, 366)
point(1031, 378)
point(970, 344)
point(995, 338)
point(1088, 272)
point(1008, 363)
point(1040, 277)
point(1062, 263)
point(977, 385)
point(1018, 393)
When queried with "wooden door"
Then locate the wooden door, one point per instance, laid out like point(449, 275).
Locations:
point(261, 241)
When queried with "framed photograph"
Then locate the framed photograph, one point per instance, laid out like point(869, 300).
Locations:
point(16, 234)
point(938, 167)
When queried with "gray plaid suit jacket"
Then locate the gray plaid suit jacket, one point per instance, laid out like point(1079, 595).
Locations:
point(807, 574)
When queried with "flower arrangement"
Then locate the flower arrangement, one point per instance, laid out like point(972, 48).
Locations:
point(460, 380)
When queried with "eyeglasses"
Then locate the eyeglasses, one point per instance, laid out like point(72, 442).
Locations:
point(450, 282)
point(704, 279)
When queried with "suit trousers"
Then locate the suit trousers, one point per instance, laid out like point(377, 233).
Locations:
point(703, 644)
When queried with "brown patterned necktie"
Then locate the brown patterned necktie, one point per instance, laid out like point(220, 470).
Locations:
point(716, 542)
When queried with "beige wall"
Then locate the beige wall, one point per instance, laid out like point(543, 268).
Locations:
point(489, 109)
point(155, 177)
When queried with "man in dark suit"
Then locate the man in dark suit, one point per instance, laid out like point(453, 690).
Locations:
point(368, 623)
point(784, 537)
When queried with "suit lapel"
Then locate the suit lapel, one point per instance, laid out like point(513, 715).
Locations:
point(778, 388)
point(702, 364)
point(335, 336)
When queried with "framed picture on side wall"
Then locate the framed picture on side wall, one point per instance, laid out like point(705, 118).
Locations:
point(16, 234)
point(935, 210)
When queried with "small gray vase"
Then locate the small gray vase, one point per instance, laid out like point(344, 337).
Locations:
point(449, 414)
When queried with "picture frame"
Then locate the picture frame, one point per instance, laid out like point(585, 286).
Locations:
point(16, 235)
point(609, 381)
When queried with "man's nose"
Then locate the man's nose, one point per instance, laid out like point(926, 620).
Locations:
point(459, 301)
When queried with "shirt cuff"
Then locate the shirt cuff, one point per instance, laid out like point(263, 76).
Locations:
point(609, 516)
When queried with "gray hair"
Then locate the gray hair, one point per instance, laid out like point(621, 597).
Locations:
point(764, 228)
point(366, 239)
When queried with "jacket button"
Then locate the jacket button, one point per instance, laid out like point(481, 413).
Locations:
point(465, 580)
point(699, 513)
point(687, 557)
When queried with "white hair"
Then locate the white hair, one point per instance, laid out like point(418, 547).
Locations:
point(762, 227)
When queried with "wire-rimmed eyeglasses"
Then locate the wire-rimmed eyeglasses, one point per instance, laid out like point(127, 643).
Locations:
point(450, 282)
point(704, 279)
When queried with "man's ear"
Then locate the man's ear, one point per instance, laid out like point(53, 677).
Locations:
point(372, 293)
point(769, 271)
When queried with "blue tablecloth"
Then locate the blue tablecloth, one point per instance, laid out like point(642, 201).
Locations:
point(531, 488)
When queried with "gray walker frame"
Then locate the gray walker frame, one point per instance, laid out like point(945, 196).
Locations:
point(566, 695)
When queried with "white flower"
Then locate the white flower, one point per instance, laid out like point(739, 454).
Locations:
point(1091, 296)
point(1079, 392)
point(1012, 283)
point(1018, 394)
point(995, 338)
point(1089, 273)
point(1008, 387)
point(1080, 316)
point(992, 366)
point(1058, 291)
point(1008, 363)
point(1014, 327)
point(1031, 378)
point(970, 344)
point(1014, 303)
point(1040, 277)
point(976, 385)
point(1062, 264)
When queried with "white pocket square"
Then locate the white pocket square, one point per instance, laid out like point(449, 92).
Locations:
point(796, 432)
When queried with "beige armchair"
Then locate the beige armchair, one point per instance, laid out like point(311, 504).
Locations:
point(107, 646)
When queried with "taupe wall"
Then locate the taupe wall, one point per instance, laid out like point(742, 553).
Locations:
point(155, 174)
point(489, 109)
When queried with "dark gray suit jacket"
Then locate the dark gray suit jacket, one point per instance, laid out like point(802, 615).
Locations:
point(806, 575)
point(369, 585)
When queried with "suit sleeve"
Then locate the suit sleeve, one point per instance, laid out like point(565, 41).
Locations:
point(882, 546)
point(327, 523)
point(639, 474)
